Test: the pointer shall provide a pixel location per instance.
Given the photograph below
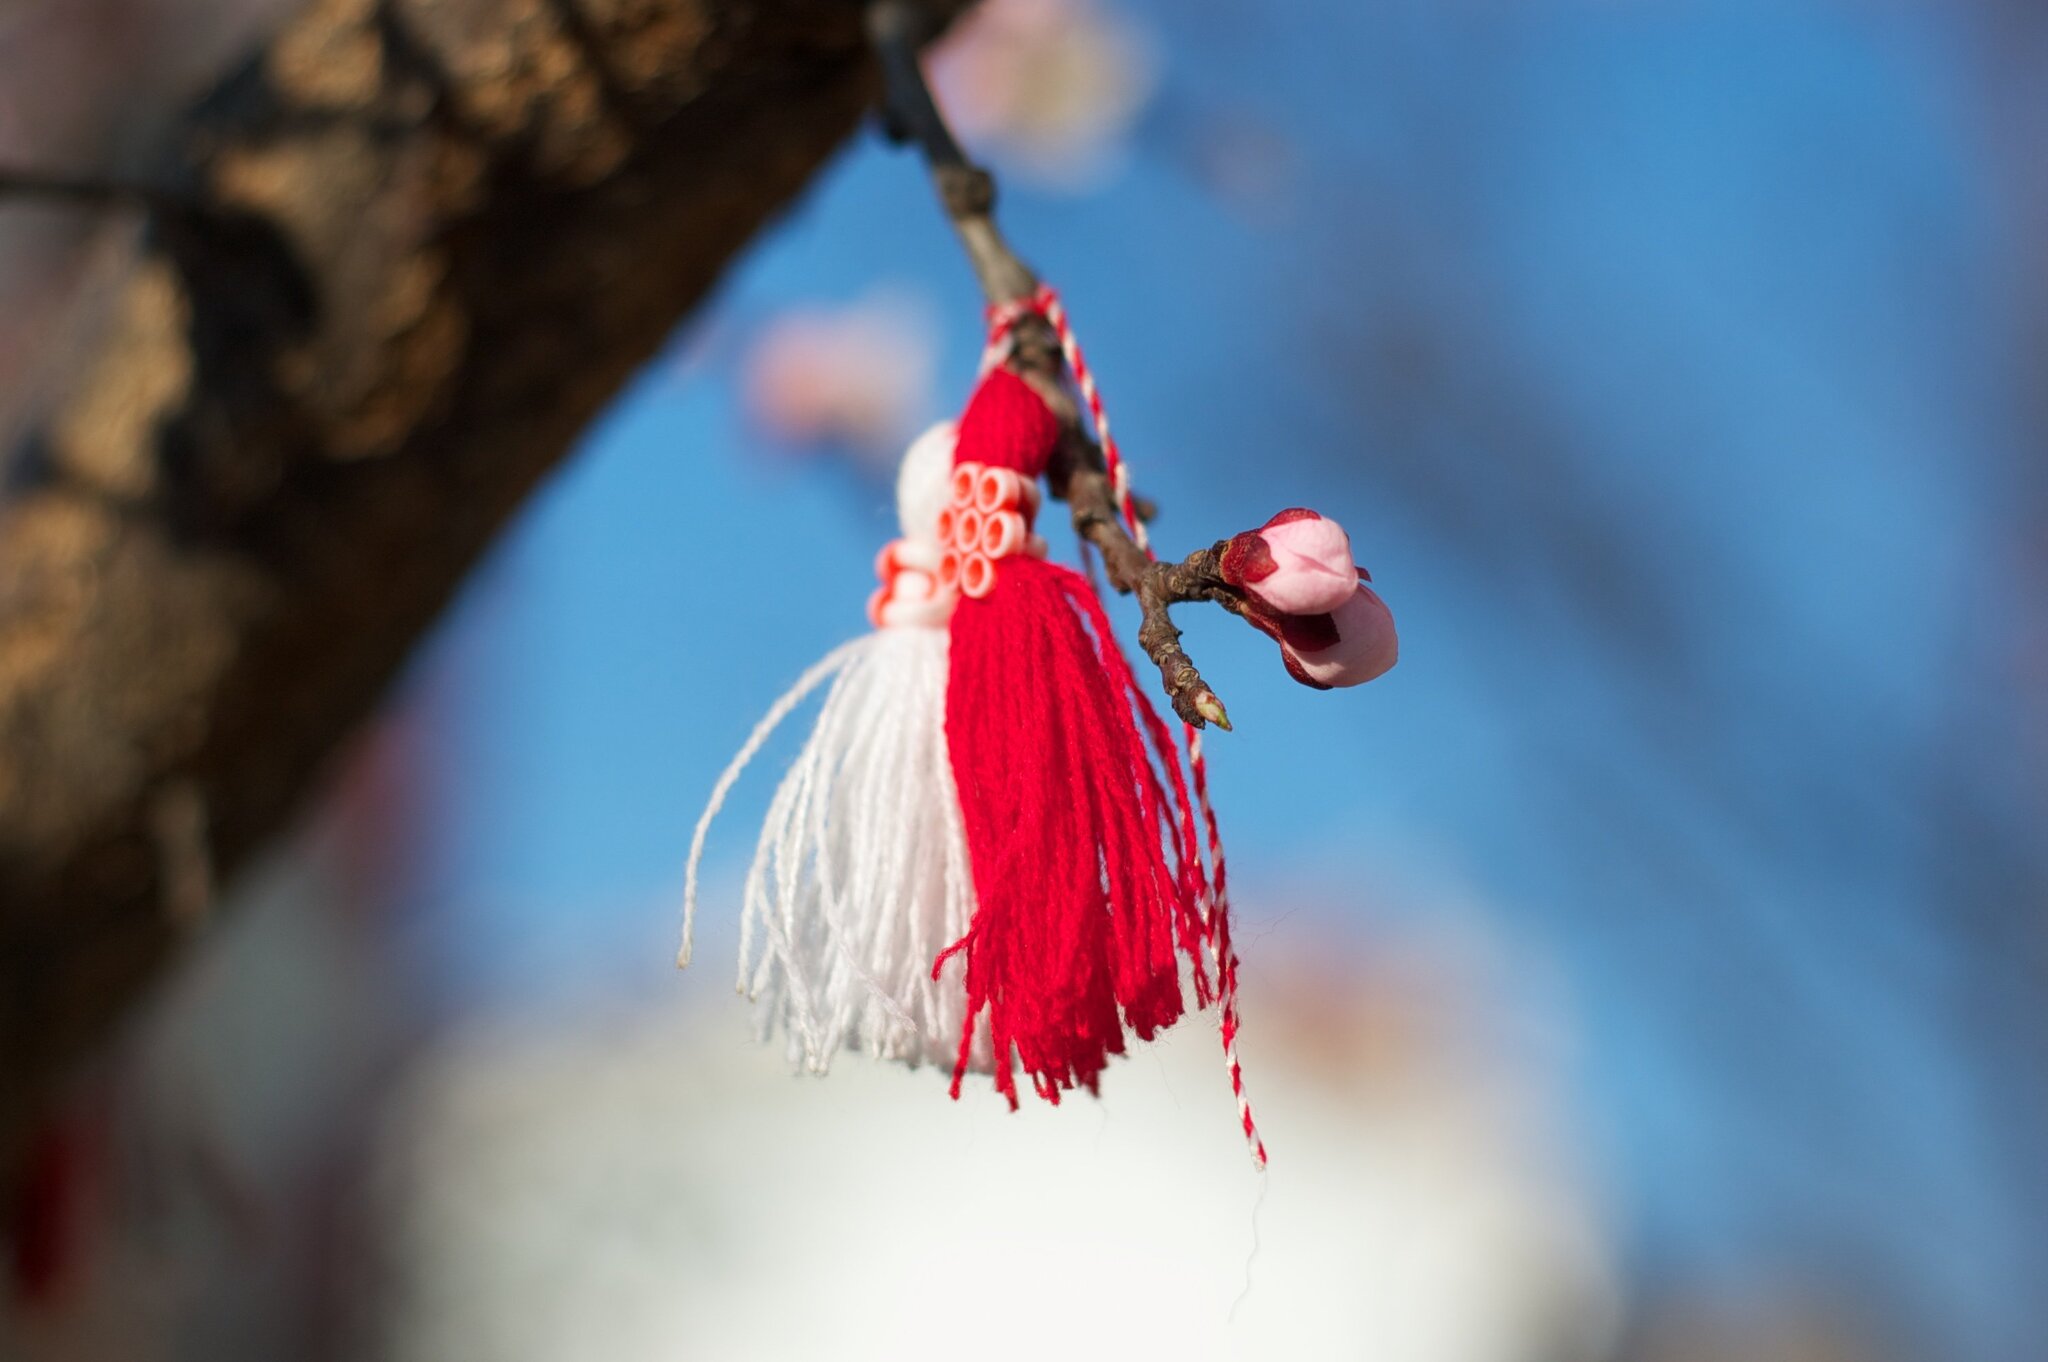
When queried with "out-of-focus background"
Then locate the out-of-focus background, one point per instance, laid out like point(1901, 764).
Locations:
point(1649, 969)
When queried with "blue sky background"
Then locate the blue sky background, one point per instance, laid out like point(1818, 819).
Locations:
point(1669, 367)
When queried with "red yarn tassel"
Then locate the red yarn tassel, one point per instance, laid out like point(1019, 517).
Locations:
point(1088, 880)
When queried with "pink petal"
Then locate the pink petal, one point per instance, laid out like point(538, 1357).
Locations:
point(1312, 569)
point(1366, 644)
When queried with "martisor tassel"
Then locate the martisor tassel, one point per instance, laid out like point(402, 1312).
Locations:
point(1087, 880)
point(861, 877)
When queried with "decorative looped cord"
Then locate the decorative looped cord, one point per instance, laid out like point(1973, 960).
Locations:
point(910, 594)
point(1002, 319)
point(986, 519)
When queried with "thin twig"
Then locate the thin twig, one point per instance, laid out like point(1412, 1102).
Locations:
point(966, 190)
point(968, 194)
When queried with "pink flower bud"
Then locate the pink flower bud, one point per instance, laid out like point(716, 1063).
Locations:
point(1347, 646)
point(1365, 645)
point(1297, 563)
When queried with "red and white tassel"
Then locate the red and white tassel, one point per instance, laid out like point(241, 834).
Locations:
point(988, 850)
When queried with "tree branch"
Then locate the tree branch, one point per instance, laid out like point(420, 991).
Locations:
point(968, 194)
point(431, 239)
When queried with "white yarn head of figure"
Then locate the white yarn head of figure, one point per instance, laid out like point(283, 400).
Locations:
point(924, 481)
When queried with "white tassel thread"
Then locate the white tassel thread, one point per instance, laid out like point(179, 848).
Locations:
point(860, 877)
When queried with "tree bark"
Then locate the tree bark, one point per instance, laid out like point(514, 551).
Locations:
point(393, 267)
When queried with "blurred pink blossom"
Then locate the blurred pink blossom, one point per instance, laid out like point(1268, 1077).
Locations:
point(1047, 88)
point(858, 377)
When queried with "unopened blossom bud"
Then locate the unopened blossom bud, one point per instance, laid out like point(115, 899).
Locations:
point(1356, 643)
point(1297, 563)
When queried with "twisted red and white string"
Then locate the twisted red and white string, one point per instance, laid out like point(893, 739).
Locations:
point(1046, 303)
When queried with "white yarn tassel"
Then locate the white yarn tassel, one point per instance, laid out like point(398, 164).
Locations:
point(860, 877)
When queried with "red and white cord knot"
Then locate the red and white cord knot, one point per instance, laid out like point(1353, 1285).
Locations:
point(1002, 324)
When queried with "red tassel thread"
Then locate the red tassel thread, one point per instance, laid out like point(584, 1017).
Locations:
point(1046, 303)
point(1087, 878)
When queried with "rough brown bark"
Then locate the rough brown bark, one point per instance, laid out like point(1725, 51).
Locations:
point(402, 260)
